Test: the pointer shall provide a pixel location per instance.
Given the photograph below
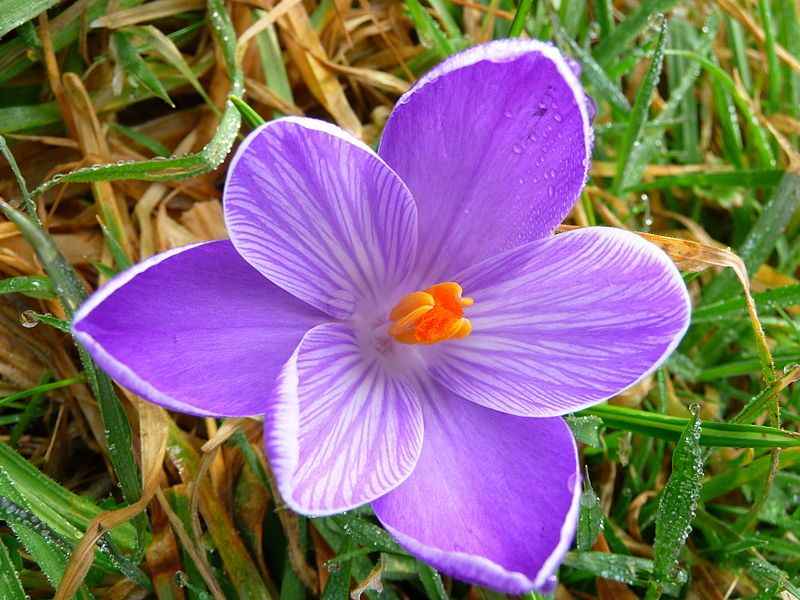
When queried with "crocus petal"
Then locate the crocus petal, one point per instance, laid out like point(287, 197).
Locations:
point(565, 322)
point(195, 329)
point(493, 499)
point(341, 429)
point(494, 144)
point(321, 215)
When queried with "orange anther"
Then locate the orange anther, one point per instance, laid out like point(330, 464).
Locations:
point(431, 316)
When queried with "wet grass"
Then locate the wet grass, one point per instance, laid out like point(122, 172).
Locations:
point(693, 486)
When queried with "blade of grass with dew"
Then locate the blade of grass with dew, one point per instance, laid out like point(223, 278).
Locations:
point(167, 49)
point(712, 433)
point(617, 42)
point(10, 584)
point(72, 294)
point(30, 206)
point(759, 138)
point(626, 569)
point(64, 28)
point(682, 34)
point(46, 548)
point(642, 154)
point(597, 78)
point(429, 29)
point(208, 159)
point(735, 307)
point(676, 508)
point(76, 510)
point(17, 12)
point(773, 66)
point(760, 241)
point(590, 519)
point(34, 286)
point(431, 582)
point(639, 112)
point(733, 178)
point(139, 72)
point(520, 17)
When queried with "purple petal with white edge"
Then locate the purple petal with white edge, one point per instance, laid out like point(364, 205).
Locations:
point(495, 145)
point(321, 215)
point(341, 428)
point(195, 329)
point(565, 322)
point(493, 499)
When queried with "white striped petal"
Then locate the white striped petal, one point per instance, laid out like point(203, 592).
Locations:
point(321, 215)
point(565, 322)
point(340, 429)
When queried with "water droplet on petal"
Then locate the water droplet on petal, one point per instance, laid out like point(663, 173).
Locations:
point(517, 149)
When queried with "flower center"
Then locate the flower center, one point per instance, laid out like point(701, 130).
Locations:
point(433, 315)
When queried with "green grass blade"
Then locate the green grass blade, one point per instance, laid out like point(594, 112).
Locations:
point(34, 286)
point(10, 584)
point(136, 67)
point(712, 434)
point(17, 12)
point(615, 45)
point(773, 66)
point(676, 508)
point(518, 24)
point(639, 112)
point(736, 308)
point(429, 29)
point(761, 239)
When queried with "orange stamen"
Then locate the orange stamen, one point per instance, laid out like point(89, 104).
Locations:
point(431, 316)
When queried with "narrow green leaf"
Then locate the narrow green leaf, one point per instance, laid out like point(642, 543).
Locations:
point(432, 582)
point(429, 29)
point(733, 178)
point(136, 67)
point(712, 434)
point(114, 246)
point(677, 506)
point(586, 429)
point(47, 548)
point(639, 112)
point(250, 116)
point(590, 521)
point(35, 286)
point(71, 293)
point(518, 24)
point(761, 239)
point(757, 132)
point(10, 585)
point(773, 66)
point(736, 307)
point(169, 52)
point(30, 206)
point(594, 74)
point(155, 147)
point(338, 586)
point(616, 44)
point(17, 12)
point(619, 567)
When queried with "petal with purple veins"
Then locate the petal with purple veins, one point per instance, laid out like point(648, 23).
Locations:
point(195, 329)
point(564, 323)
point(321, 215)
point(494, 144)
point(493, 499)
point(341, 429)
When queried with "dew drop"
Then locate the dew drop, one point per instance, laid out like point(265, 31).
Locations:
point(694, 408)
point(551, 191)
point(28, 319)
point(656, 21)
point(508, 114)
point(557, 117)
point(517, 149)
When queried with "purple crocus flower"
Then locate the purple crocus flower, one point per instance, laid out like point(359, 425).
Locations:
point(336, 311)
